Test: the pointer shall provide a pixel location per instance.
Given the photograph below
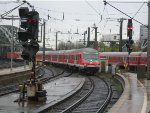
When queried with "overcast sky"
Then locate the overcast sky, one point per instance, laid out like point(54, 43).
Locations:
point(81, 14)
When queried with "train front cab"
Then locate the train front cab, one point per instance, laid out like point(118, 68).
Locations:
point(90, 62)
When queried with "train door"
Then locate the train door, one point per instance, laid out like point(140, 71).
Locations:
point(104, 65)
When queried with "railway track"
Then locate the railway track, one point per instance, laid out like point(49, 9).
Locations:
point(44, 74)
point(92, 98)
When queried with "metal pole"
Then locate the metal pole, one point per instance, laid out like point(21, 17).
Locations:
point(41, 32)
point(33, 67)
point(11, 63)
point(128, 62)
point(88, 37)
point(44, 41)
point(95, 44)
point(148, 48)
point(84, 39)
point(120, 41)
point(56, 40)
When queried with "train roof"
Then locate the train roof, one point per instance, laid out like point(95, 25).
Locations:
point(75, 50)
point(120, 53)
point(85, 50)
point(82, 50)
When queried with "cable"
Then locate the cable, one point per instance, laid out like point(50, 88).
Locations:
point(105, 3)
point(102, 14)
point(125, 2)
point(93, 8)
point(6, 13)
point(138, 10)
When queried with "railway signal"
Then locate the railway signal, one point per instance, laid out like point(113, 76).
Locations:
point(33, 24)
point(29, 38)
point(28, 35)
point(129, 34)
point(23, 13)
point(29, 21)
point(129, 29)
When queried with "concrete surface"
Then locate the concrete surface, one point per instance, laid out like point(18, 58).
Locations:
point(56, 91)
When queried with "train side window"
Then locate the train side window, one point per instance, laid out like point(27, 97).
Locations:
point(65, 57)
point(75, 57)
point(132, 58)
point(70, 57)
point(79, 56)
point(142, 59)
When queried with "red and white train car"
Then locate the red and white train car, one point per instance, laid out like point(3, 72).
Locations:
point(122, 58)
point(143, 59)
point(83, 59)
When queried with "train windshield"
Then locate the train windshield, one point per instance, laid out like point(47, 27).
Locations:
point(89, 57)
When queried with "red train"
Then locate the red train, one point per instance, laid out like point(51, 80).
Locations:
point(122, 58)
point(85, 59)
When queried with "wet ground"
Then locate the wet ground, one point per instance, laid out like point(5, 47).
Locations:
point(146, 83)
point(56, 90)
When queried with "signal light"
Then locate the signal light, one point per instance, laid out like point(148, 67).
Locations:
point(30, 22)
point(129, 28)
point(24, 36)
point(23, 12)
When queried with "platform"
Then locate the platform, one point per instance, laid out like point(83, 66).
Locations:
point(56, 91)
point(14, 70)
point(134, 97)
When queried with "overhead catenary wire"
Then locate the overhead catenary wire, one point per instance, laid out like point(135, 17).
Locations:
point(105, 3)
point(6, 13)
point(138, 10)
point(102, 14)
point(127, 2)
point(92, 7)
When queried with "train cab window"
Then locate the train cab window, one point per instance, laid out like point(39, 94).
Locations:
point(90, 56)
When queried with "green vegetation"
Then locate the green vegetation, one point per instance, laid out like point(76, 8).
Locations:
point(113, 81)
